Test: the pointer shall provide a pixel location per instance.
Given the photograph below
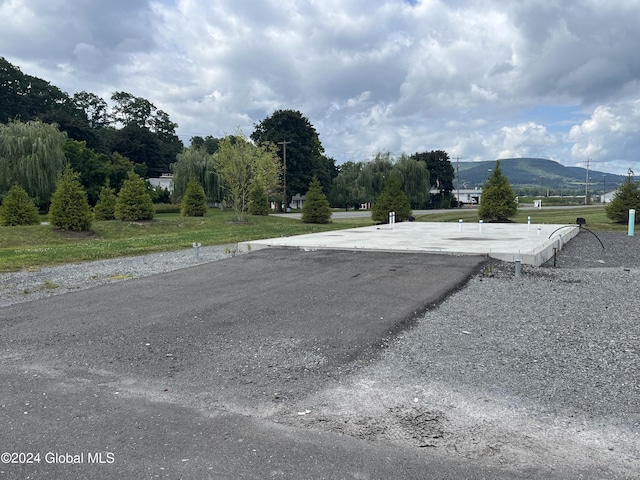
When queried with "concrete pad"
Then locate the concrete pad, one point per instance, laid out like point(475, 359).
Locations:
point(531, 244)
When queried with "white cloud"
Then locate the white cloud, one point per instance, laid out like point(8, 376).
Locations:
point(473, 77)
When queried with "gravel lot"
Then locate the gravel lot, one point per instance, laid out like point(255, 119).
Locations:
point(539, 373)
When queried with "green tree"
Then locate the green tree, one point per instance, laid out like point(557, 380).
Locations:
point(392, 199)
point(346, 190)
point(441, 175)
point(498, 198)
point(258, 198)
point(31, 155)
point(196, 162)
point(415, 180)
point(18, 209)
point(106, 205)
point(69, 208)
point(238, 162)
point(305, 154)
point(374, 175)
point(134, 201)
point(315, 208)
point(627, 197)
point(194, 203)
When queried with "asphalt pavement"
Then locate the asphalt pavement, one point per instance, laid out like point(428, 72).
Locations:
point(177, 375)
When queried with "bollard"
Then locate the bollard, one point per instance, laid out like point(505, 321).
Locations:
point(480, 226)
point(197, 246)
point(528, 224)
point(460, 225)
point(539, 229)
point(632, 221)
point(518, 267)
point(392, 219)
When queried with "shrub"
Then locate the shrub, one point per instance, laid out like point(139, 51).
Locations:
point(134, 201)
point(498, 199)
point(316, 208)
point(70, 208)
point(391, 199)
point(258, 199)
point(106, 205)
point(627, 197)
point(18, 209)
point(194, 202)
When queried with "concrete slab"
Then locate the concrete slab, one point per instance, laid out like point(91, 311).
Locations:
point(531, 244)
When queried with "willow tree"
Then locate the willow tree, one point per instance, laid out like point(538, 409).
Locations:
point(196, 163)
point(415, 179)
point(32, 156)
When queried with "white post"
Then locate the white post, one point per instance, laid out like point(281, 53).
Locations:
point(197, 246)
point(528, 224)
point(392, 219)
point(632, 221)
point(460, 225)
point(480, 226)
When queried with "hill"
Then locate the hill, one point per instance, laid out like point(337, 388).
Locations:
point(533, 176)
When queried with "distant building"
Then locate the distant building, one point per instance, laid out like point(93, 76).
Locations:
point(164, 181)
point(468, 196)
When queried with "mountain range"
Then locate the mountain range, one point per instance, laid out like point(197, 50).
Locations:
point(537, 174)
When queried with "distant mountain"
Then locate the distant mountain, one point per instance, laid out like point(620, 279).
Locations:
point(531, 174)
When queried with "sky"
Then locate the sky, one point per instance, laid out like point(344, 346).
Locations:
point(480, 79)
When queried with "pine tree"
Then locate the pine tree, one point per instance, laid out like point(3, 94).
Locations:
point(392, 199)
point(70, 208)
point(194, 202)
point(627, 197)
point(134, 200)
point(258, 199)
point(316, 208)
point(106, 205)
point(18, 209)
point(498, 199)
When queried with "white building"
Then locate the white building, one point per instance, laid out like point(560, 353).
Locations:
point(164, 181)
point(468, 196)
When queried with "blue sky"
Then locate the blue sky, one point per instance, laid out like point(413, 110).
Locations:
point(481, 79)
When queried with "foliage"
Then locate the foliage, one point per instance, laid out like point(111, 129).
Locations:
point(106, 205)
point(415, 180)
point(18, 209)
point(440, 169)
point(194, 203)
point(392, 199)
point(258, 198)
point(134, 201)
point(315, 208)
point(69, 208)
point(627, 197)
point(498, 199)
point(196, 162)
point(346, 190)
point(305, 154)
point(209, 143)
point(238, 162)
point(31, 155)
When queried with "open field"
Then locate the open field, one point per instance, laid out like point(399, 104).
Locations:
point(32, 247)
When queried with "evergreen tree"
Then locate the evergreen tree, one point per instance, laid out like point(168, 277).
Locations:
point(134, 201)
point(498, 199)
point(258, 199)
point(70, 208)
point(392, 199)
point(316, 207)
point(194, 203)
point(18, 209)
point(627, 197)
point(106, 206)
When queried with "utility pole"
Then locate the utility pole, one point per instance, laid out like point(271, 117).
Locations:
point(458, 179)
point(586, 183)
point(284, 176)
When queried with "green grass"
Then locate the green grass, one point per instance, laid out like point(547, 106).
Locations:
point(36, 246)
point(594, 215)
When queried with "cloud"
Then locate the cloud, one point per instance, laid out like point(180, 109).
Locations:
point(478, 78)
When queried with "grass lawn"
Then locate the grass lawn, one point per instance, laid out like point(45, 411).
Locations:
point(594, 215)
point(33, 247)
